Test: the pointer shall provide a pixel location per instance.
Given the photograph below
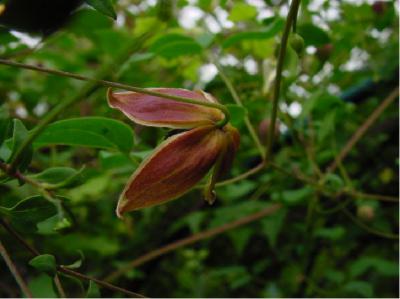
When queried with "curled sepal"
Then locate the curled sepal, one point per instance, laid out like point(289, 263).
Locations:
point(156, 111)
point(173, 169)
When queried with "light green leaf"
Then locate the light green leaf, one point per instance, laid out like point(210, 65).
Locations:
point(97, 132)
point(264, 33)
point(173, 45)
point(242, 12)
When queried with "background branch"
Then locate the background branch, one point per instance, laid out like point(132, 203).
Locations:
point(64, 270)
point(193, 239)
point(14, 271)
point(363, 129)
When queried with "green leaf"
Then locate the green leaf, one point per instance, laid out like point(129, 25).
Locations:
point(58, 177)
point(78, 263)
point(359, 288)
point(205, 39)
point(332, 233)
point(173, 45)
point(242, 12)
point(45, 263)
point(272, 225)
point(103, 6)
point(367, 263)
point(333, 181)
point(92, 188)
point(97, 132)
point(313, 35)
point(264, 33)
point(47, 226)
point(29, 211)
point(87, 21)
point(4, 124)
point(296, 196)
point(233, 212)
point(327, 126)
point(93, 290)
point(238, 113)
point(291, 63)
point(118, 161)
point(240, 238)
point(20, 134)
point(42, 287)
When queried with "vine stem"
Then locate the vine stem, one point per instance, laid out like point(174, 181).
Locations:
point(193, 239)
point(107, 83)
point(14, 271)
point(238, 101)
point(65, 270)
point(292, 15)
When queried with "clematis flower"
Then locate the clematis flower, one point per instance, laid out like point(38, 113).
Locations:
point(182, 160)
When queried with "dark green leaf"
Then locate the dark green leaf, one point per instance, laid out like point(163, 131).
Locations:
point(103, 6)
point(20, 134)
point(59, 177)
point(42, 287)
point(4, 124)
point(97, 132)
point(29, 211)
point(359, 288)
point(45, 263)
point(313, 35)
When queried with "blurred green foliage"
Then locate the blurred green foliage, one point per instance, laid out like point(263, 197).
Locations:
point(308, 248)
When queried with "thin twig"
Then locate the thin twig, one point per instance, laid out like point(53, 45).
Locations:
point(14, 271)
point(242, 176)
point(12, 232)
point(193, 239)
point(98, 281)
point(237, 100)
point(361, 195)
point(367, 228)
point(59, 286)
point(345, 191)
point(292, 15)
point(363, 128)
point(64, 270)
